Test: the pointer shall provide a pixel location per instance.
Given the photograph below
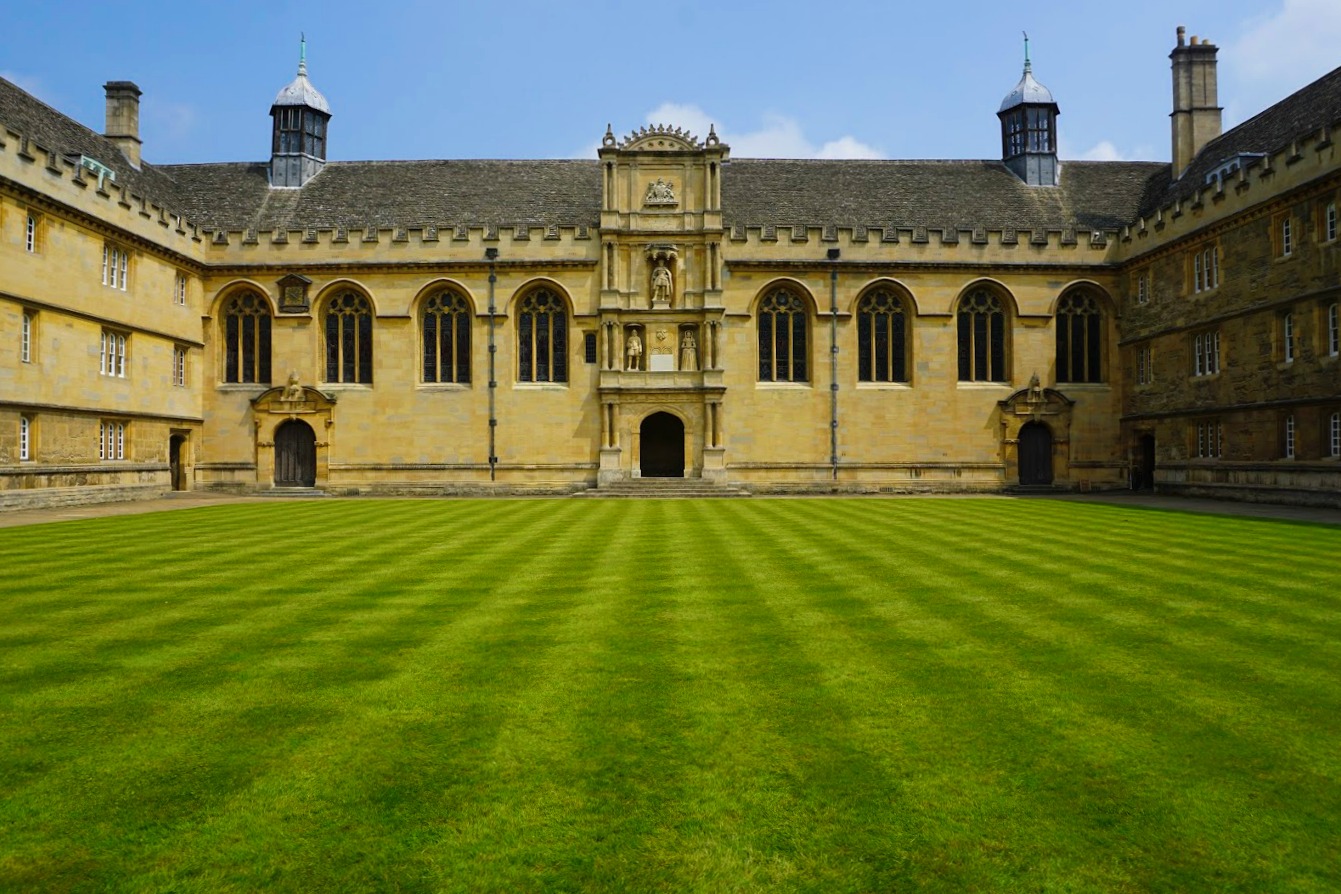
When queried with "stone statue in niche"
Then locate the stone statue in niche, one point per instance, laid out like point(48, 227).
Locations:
point(633, 351)
point(688, 351)
point(662, 285)
point(662, 192)
point(294, 390)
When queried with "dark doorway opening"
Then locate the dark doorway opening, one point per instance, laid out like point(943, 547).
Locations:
point(1035, 454)
point(662, 439)
point(176, 464)
point(295, 455)
point(1145, 470)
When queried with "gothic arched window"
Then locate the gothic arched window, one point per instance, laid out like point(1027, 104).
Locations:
point(782, 337)
point(882, 338)
point(542, 338)
point(246, 324)
point(1080, 326)
point(982, 338)
point(349, 347)
point(446, 328)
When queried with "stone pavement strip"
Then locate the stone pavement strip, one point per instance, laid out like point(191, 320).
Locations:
point(190, 500)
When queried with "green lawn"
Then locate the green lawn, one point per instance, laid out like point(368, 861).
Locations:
point(735, 695)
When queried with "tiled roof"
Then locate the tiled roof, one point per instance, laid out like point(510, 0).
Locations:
point(395, 193)
point(964, 194)
point(43, 125)
point(1301, 113)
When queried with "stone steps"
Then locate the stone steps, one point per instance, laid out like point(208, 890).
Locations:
point(293, 492)
point(663, 489)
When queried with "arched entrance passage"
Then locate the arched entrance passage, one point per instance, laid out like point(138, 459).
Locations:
point(662, 438)
point(1145, 473)
point(295, 455)
point(1035, 454)
point(176, 461)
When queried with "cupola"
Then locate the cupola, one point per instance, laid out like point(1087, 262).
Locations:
point(1029, 129)
point(298, 134)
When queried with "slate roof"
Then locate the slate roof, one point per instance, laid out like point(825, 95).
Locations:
point(356, 194)
point(1303, 112)
point(51, 130)
point(755, 192)
point(964, 194)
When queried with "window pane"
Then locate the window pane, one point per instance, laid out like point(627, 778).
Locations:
point(560, 364)
point(765, 347)
point(864, 347)
point(998, 373)
point(332, 347)
point(800, 372)
point(430, 347)
point(231, 348)
point(965, 347)
point(365, 348)
point(263, 348)
point(462, 354)
point(524, 345)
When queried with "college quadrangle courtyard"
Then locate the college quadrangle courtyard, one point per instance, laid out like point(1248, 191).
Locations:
point(676, 695)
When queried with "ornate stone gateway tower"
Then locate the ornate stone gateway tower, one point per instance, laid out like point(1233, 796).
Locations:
point(661, 308)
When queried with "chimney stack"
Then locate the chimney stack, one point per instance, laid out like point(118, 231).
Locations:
point(123, 119)
point(1196, 113)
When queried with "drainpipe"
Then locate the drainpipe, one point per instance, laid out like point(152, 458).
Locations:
point(833, 362)
point(491, 254)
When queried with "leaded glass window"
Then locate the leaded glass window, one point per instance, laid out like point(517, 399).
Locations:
point(982, 338)
point(349, 348)
point(882, 338)
point(446, 329)
point(782, 337)
point(1080, 325)
point(542, 338)
point(246, 321)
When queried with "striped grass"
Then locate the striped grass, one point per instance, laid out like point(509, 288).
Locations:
point(755, 695)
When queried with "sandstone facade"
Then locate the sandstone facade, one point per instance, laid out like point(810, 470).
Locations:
point(665, 310)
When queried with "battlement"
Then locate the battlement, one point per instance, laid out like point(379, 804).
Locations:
point(89, 188)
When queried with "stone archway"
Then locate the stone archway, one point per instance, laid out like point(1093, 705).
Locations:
point(661, 439)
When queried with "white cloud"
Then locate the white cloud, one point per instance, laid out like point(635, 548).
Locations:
point(1279, 52)
point(778, 137)
point(1104, 150)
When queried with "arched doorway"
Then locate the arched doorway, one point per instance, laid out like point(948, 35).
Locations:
point(176, 462)
point(1035, 454)
point(295, 455)
point(662, 438)
point(1145, 473)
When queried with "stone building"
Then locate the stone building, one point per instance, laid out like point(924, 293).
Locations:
point(664, 310)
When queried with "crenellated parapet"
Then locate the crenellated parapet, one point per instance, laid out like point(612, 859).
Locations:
point(1218, 191)
point(96, 192)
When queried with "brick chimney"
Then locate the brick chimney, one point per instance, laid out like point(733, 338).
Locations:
point(123, 119)
point(1196, 114)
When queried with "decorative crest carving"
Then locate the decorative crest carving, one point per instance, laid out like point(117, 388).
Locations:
point(661, 192)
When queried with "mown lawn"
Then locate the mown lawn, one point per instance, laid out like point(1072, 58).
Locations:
point(737, 695)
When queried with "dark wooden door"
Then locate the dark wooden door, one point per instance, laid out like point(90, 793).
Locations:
point(295, 455)
point(1145, 475)
point(662, 439)
point(178, 471)
point(1035, 454)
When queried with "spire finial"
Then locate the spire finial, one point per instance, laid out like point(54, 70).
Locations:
point(1028, 66)
point(302, 53)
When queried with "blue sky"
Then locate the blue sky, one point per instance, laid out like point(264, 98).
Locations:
point(527, 79)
